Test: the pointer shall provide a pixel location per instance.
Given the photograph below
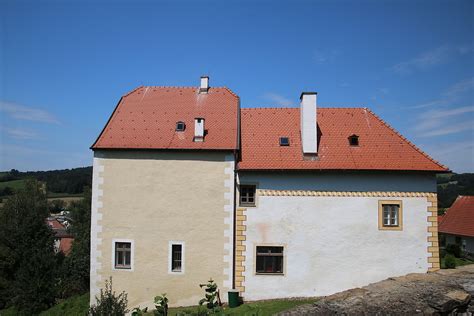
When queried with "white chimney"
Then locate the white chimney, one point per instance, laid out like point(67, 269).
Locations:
point(198, 129)
point(204, 84)
point(309, 138)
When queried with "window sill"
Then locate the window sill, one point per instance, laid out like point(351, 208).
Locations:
point(247, 205)
point(270, 273)
point(399, 228)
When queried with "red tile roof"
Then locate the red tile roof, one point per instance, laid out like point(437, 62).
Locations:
point(380, 146)
point(146, 119)
point(459, 219)
point(65, 245)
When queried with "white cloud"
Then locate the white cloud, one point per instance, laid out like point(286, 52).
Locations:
point(325, 56)
point(430, 59)
point(458, 156)
point(444, 122)
point(19, 133)
point(452, 94)
point(457, 128)
point(21, 112)
point(278, 99)
point(20, 157)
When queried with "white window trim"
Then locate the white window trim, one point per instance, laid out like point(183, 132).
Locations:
point(132, 254)
point(170, 256)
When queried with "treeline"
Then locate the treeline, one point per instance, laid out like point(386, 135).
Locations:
point(450, 186)
point(32, 276)
point(70, 181)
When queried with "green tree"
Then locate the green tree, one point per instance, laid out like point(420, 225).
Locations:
point(76, 265)
point(27, 259)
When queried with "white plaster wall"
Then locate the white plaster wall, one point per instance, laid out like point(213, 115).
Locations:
point(342, 181)
point(332, 244)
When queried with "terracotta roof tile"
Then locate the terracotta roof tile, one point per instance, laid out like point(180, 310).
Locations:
point(146, 118)
point(459, 219)
point(380, 146)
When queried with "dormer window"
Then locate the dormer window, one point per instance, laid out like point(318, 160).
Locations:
point(284, 141)
point(354, 140)
point(180, 126)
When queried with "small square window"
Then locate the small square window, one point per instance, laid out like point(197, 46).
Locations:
point(390, 215)
point(247, 195)
point(269, 260)
point(284, 141)
point(123, 255)
point(180, 126)
point(354, 140)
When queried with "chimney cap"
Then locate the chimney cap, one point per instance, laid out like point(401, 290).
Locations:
point(205, 76)
point(307, 93)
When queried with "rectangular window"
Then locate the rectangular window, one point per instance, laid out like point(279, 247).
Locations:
point(176, 261)
point(176, 255)
point(247, 195)
point(123, 255)
point(269, 260)
point(390, 215)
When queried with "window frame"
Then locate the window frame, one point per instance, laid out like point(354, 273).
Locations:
point(248, 204)
point(283, 260)
point(399, 225)
point(170, 256)
point(180, 130)
point(132, 254)
point(282, 144)
point(354, 137)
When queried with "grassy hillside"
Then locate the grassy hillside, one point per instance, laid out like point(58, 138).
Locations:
point(451, 185)
point(59, 183)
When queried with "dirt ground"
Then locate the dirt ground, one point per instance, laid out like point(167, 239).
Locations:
point(445, 292)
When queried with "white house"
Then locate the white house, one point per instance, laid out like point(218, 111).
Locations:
point(274, 202)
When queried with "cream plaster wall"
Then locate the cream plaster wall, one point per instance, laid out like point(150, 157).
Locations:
point(332, 244)
point(152, 198)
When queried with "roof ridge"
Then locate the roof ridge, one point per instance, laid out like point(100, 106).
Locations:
point(127, 94)
point(406, 140)
point(297, 107)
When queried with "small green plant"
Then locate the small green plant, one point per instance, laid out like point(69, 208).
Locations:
point(108, 303)
point(211, 299)
point(139, 312)
point(161, 305)
point(450, 261)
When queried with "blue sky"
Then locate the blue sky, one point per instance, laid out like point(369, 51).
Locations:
point(65, 64)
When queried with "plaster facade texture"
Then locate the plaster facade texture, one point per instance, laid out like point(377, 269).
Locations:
point(331, 243)
point(152, 198)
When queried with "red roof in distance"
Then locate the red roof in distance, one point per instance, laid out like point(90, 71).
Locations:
point(459, 219)
point(146, 119)
point(380, 146)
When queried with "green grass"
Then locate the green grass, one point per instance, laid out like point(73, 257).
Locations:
point(14, 184)
point(9, 312)
point(51, 195)
point(261, 308)
point(75, 305)
point(459, 262)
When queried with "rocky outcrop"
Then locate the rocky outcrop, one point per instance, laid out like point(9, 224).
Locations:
point(446, 292)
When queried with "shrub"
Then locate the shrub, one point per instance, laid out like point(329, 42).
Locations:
point(161, 305)
point(109, 304)
point(139, 312)
point(450, 261)
point(454, 249)
point(211, 298)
